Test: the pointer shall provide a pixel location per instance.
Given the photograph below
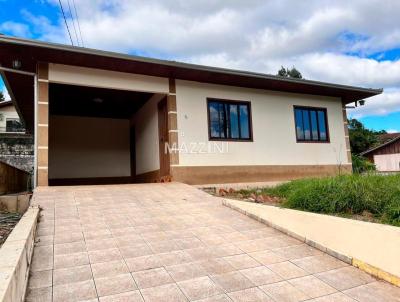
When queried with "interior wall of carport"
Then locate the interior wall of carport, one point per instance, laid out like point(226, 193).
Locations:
point(73, 75)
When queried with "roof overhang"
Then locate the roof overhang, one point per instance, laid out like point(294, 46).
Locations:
point(29, 52)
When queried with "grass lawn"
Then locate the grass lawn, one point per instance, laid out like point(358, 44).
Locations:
point(368, 197)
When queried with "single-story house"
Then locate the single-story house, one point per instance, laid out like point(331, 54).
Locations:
point(104, 117)
point(9, 118)
point(386, 156)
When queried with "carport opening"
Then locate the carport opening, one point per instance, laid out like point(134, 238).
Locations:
point(103, 136)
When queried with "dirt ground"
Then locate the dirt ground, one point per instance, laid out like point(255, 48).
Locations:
point(7, 224)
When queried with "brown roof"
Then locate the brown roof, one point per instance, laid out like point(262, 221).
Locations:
point(6, 103)
point(389, 141)
point(383, 138)
point(29, 52)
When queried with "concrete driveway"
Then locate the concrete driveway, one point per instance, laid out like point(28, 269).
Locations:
point(172, 242)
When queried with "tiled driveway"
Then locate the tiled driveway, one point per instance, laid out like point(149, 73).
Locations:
point(171, 242)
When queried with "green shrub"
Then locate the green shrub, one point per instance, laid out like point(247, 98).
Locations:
point(346, 194)
point(361, 164)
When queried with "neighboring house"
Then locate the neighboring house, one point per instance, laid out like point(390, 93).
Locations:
point(105, 117)
point(386, 156)
point(9, 119)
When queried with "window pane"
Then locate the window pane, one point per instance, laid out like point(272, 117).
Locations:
point(314, 125)
point(299, 124)
point(222, 121)
point(306, 125)
point(244, 122)
point(322, 125)
point(214, 119)
point(234, 121)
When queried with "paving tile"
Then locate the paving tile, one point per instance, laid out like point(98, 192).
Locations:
point(226, 250)
point(67, 237)
point(129, 240)
point(336, 297)
point(164, 246)
point(70, 260)
point(374, 292)
point(44, 240)
point(40, 279)
point(164, 293)
point(250, 246)
point(100, 244)
point(317, 264)
point(199, 288)
point(78, 291)
point(218, 298)
point(287, 270)
point(104, 255)
point(173, 258)
point(249, 295)
point(72, 274)
point(137, 250)
point(216, 266)
point(69, 248)
point(261, 275)
point(200, 253)
point(97, 234)
point(42, 258)
point(267, 257)
point(115, 285)
point(345, 277)
point(132, 296)
point(232, 281)
point(189, 243)
point(181, 272)
point(284, 292)
point(312, 286)
point(143, 263)
point(152, 277)
point(297, 251)
point(43, 294)
point(241, 261)
point(109, 269)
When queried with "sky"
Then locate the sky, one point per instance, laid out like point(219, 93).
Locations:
point(353, 42)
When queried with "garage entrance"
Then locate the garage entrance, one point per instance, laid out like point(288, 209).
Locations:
point(104, 136)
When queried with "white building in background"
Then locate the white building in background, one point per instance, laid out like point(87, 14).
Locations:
point(9, 118)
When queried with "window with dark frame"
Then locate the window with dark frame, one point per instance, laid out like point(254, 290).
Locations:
point(229, 120)
point(311, 124)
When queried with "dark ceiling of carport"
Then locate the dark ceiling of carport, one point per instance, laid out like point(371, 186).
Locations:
point(94, 102)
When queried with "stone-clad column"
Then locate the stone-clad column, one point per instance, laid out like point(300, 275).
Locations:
point(346, 133)
point(43, 124)
point(172, 124)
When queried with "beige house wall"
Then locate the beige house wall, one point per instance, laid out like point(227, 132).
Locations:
point(387, 162)
point(86, 147)
point(274, 138)
point(146, 136)
point(73, 75)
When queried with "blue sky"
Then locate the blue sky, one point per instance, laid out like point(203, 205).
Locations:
point(349, 42)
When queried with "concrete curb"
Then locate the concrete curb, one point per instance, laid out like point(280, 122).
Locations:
point(372, 270)
point(16, 256)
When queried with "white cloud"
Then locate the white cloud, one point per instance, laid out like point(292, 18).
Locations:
point(15, 28)
point(392, 131)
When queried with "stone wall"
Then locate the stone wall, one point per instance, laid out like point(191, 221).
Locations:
point(17, 151)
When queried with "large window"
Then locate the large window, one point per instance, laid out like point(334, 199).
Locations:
point(311, 124)
point(229, 120)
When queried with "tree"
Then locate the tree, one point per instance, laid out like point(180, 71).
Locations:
point(289, 73)
point(2, 99)
point(361, 138)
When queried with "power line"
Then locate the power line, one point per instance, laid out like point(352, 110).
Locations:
point(65, 20)
point(73, 22)
point(77, 19)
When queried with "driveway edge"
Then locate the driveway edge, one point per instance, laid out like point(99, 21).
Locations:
point(370, 269)
point(15, 257)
